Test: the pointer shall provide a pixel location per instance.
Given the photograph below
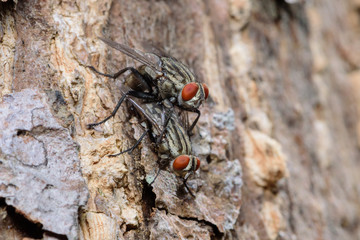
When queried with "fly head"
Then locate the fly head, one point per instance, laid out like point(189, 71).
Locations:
point(192, 95)
point(185, 165)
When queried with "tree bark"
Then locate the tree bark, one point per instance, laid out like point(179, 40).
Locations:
point(278, 138)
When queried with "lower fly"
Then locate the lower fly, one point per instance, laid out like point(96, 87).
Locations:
point(172, 142)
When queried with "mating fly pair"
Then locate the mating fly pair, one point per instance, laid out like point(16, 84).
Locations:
point(162, 81)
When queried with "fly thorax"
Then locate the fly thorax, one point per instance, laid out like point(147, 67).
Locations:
point(175, 148)
point(177, 139)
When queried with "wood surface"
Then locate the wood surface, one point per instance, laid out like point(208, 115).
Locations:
point(278, 138)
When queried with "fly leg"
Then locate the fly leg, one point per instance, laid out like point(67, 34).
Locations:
point(144, 81)
point(133, 147)
point(187, 188)
point(184, 182)
point(195, 121)
point(157, 174)
point(142, 95)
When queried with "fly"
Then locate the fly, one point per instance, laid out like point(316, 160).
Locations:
point(175, 143)
point(159, 78)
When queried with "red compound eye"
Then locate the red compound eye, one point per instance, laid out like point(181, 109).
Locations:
point(181, 162)
point(197, 164)
point(206, 90)
point(189, 91)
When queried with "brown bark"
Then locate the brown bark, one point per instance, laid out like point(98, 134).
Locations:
point(278, 139)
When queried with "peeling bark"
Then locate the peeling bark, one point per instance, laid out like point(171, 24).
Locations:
point(278, 138)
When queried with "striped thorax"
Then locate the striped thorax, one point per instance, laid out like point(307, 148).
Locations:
point(175, 147)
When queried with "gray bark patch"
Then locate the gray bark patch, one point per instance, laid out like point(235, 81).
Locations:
point(40, 169)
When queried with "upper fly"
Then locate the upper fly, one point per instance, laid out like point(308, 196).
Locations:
point(161, 77)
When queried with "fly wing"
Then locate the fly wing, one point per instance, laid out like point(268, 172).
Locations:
point(184, 119)
point(155, 49)
point(151, 60)
point(141, 108)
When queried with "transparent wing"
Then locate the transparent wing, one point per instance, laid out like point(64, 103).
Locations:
point(155, 49)
point(151, 60)
point(184, 118)
point(142, 109)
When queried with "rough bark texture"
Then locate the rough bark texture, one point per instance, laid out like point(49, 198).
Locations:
point(40, 172)
point(278, 139)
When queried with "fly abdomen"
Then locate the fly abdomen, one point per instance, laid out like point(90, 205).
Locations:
point(133, 82)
